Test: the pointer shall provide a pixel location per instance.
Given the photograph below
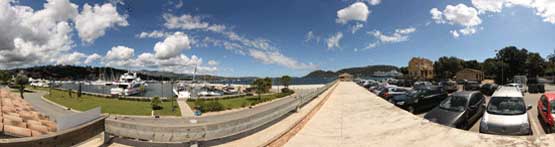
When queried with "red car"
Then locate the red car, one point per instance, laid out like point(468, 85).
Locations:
point(546, 111)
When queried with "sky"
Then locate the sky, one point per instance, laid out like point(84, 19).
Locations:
point(266, 38)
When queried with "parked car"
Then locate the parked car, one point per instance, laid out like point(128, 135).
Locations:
point(419, 84)
point(419, 99)
point(506, 113)
point(546, 111)
point(460, 110)
point(535, 86)
point(488, 88)
point(471, 86)
point(518, 86)
point(391, 91)
point(449, 86)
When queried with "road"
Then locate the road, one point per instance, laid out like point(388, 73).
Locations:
point(529, 99)
point(53, 111)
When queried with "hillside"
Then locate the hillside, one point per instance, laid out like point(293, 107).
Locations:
point(358, 71)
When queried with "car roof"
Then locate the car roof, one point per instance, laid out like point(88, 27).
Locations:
point(464, 93)
point(507, 91)
point(550, 96)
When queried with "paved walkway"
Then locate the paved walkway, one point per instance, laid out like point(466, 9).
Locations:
point(274, 131)
point(186, 111)
point(44, 107)
point(352, 116)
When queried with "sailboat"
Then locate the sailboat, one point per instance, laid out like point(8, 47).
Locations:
point(184, 89)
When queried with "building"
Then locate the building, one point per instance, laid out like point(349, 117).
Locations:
point(470, 75)
point(421, 69)
point(345, 77)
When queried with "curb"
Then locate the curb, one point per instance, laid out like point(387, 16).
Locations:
point(58, 105)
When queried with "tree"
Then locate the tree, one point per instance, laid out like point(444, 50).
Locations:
point(262, 86)
point(473, 64)
point(4, 76)
point(447, 67)
point(285, 80)
point(496, 69)
point(516, 60)
point(21, 80)
point(535, 64)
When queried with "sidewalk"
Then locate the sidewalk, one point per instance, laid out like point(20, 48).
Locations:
point(273, 132)
point(186, 111)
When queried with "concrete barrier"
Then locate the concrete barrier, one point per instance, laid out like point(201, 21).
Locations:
point(181, 130)
point(67, 137)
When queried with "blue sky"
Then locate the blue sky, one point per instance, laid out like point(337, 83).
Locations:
point(272, 37)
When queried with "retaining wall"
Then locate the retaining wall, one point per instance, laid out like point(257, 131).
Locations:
point(181, 131)
point(67, 137)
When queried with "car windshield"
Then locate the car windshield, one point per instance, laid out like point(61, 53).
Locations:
point(553, 107)
point(506, 106)
point(454, 103)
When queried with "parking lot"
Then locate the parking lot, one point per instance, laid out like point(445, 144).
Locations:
point(532, 113)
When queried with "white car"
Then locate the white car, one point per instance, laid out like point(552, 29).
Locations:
point(506, 113)
point(518, 86)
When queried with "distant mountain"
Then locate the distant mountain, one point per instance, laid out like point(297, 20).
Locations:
point(357, 71)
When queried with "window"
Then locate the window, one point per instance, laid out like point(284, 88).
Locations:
point(543, 100)
point(475, 99)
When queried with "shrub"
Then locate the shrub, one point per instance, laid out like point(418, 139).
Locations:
point(214, 106)
point(155, 103)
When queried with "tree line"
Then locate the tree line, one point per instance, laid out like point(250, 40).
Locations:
point(507, 63)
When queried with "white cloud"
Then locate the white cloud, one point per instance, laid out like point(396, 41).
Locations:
point(488, 5)
point(461, 15)
point(213, 63)
point(274, 57)
point(356, 27)
point(372, 45)
point(455, 33)
point(120, 53)
point(399, 35)
point(32, 37)
point(71, 59)
point(172, 46)
point(333, 41)
point(357, 11)
point(374, 2)
point(545, 9)
point(231, 41)
point(91, 58)
point(153, 34)
point(311, 36)
point(190, 22)
point(93, 21)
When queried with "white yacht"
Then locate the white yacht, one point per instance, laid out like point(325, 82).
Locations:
point(39, 82)
point(183, 90)
point(128, 84)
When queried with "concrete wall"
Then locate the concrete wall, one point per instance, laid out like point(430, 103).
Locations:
point(64, 138)
point(179, 131)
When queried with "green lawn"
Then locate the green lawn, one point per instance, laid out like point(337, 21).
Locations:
point(239, 102)
point(108, 105)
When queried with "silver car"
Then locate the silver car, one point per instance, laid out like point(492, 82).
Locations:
point(506, 113)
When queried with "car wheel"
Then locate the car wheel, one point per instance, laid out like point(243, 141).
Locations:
point(410, 109)
point(548, 130)
point(391, 101)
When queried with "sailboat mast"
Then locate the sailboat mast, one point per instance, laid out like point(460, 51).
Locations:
point(195, 73)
